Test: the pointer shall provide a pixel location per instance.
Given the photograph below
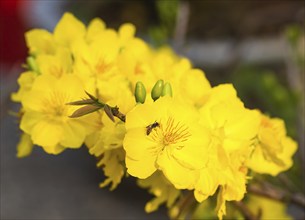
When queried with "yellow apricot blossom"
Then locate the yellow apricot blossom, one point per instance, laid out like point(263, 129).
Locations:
point(25, 82)
point(134, 62)
point(46, 113)
point(106, 142)
point(95, 27)
point(57, 64)
point(165, 135)
point(233, 129)
point(40, 41)
point(274, 150)
point(68, 30)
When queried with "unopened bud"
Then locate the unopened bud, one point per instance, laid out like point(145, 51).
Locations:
point(157, 90)
point(167, 90)
point(32, 64)
point(140, 92)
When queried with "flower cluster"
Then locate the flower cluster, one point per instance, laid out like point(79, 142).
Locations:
point(186, 135)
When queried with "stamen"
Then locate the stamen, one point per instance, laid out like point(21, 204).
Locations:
point(102, 66)
point(169, 133)
point(174, 133)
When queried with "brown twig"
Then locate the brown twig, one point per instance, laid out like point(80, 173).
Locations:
point(115, 111)
point(271, 192)
point(245, 211)
point(92, 105)
point(288, 183)
point(184, 204)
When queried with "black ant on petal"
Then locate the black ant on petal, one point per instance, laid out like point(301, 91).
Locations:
point(151, 126)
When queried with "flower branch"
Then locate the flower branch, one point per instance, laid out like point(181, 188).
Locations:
point(246, 212)
point(269, 191)
point(93, 104)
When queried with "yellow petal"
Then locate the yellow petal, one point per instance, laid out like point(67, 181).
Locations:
point(56, 65)
point(25, 146)
point(247, 119)
point(29, 120)
point(44, 83)
point(73, 134)
point(180, 177)
point(25, 82)
point(141, 153)
point(144, 115)
point(195, 85)
point(68, 29)
point(126, 32)
point(46, 133)
point(40, 41)
point(195, 153)
point(56, 149)
point(140, 168)
point(95, 27)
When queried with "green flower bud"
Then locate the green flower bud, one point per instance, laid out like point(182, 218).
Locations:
point(32, 64)
point(157, 90)
point(140, 92)
point(167, 90)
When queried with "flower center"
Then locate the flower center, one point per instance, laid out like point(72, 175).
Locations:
point(55, 104)
point(102, 66)
point(171, 133)
point(56, 71)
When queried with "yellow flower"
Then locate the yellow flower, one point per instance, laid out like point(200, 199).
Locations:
point(68, 30)
point(112, 164)
point(126, 34)
point(105, 143)
point(96, 59)
point(95, 27)
point(46, 113)
point(25, 82)
point(233, 129)
point(165, 135)
point(40, 41)
point(58, 64)
point(95, 65)
point(274, 151)
point(193, 87)
point(134, 62)
point(108, 136)
point(233, 189)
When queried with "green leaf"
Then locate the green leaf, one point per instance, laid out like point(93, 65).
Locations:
point(85, 110)
point(108, 111)
point(82, 102)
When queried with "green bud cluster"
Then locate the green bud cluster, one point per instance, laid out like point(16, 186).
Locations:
point(159, 89)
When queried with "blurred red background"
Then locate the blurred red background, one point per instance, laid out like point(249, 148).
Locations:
point(12, 30)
